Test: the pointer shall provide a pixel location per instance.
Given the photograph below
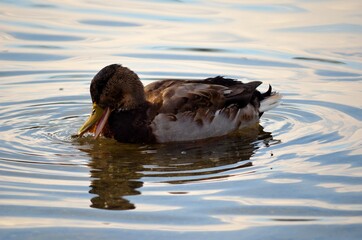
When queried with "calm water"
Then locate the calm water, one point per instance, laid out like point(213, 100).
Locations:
point(298, 175)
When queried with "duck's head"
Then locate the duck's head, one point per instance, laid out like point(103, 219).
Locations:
point(113, 88)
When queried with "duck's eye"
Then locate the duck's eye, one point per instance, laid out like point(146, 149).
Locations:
point(93, 111)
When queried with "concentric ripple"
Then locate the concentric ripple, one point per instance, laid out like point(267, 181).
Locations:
point(295, 175)
point(40, 157)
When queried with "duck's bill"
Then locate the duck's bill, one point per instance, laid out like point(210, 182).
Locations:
point(97, 120)
point(102, 122)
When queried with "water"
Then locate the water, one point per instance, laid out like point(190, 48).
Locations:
point(295, 176)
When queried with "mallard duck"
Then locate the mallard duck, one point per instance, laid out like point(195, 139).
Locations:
point(171, 110)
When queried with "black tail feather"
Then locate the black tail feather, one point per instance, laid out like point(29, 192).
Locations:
point(267, 93)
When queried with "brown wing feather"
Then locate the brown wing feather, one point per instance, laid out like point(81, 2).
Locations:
point(242, 94)
point(175, 96)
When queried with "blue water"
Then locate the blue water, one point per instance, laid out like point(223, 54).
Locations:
point(297, 175)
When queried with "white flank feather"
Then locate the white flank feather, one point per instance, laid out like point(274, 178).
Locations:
point(185, 128)
point(270, 102)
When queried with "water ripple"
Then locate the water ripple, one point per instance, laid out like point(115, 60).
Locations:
point(25, 57)
point(43, 37)
point(217, 59)
point(295, 175)
point(109, 23)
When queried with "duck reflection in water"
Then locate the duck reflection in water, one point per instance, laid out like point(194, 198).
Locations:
point(117, 169)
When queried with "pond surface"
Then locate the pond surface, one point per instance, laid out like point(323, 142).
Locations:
point(296, 175)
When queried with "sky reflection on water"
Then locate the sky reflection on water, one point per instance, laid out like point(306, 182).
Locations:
point(296, 175)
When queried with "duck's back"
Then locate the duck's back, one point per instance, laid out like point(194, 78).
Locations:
point(184, 110)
